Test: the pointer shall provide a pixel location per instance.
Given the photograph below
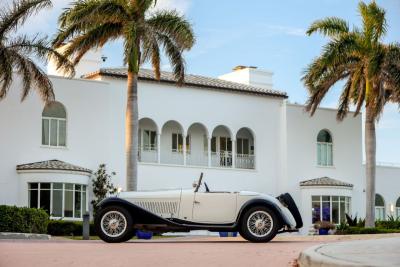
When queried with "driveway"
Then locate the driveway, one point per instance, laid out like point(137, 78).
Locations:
point(184, 251)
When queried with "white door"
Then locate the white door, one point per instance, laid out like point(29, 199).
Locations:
point(214, 207)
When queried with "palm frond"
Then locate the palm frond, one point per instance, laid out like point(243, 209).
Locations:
point(170, 23)
point(6, 73)
point(93, 38)
point(331, 27)
point(15, 16)
point(174, 54)
point(39, 47)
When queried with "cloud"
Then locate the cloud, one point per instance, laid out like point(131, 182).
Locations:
point(182, 6)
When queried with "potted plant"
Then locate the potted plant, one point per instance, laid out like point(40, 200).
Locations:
point(323, 227)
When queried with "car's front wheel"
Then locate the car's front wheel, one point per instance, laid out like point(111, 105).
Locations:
point(114, 224)
point(259, 224)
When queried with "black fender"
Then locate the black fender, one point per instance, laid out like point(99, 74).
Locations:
point(139, 215)
point(262, 202)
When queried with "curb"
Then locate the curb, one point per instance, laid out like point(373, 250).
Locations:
point(29, 236)
point(312, 258)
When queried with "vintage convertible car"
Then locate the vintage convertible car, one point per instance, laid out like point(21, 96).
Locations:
point(257, 217)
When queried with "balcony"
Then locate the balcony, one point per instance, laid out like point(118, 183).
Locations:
point(195, 147)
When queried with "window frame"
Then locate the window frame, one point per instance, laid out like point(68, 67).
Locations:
point(346, 202)
point(49, 119)
point(149, 146)
point(240, 143)
point(84, 205)
point(178, 149)
point(328, 151)
point(379, 209)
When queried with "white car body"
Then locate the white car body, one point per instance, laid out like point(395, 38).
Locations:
point(258, 217)
point(199, 207)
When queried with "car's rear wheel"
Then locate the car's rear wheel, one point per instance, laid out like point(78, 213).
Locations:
point(114, 224)
point(259, 224)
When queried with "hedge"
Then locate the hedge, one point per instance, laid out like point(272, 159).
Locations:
point(67, 228)
point(361, 230)
point(23, 220)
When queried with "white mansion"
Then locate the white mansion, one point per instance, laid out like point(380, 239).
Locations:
point(236, 129)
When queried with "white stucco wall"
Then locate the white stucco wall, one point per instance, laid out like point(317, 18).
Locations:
point(211, 108)
point(284, 140)
point(89, 131)
point(302, 131)
point(388, 186)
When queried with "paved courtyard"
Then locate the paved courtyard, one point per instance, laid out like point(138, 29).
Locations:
point(184, 251)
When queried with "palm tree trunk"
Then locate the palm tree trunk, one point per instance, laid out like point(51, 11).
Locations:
point(131, 132)
point(370, 155)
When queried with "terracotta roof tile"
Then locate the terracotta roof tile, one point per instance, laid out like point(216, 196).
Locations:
point(52, 165)
point(190, 80)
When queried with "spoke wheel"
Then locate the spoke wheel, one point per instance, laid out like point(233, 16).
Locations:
point(113, 223)
point(260, 223)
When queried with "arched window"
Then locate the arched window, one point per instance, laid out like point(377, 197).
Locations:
point(379, 207)
point(398, 207)
point(54, 125)
point(324, 149)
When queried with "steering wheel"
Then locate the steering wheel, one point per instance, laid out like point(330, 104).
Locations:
point(207, 189)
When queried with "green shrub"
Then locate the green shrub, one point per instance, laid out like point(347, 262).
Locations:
point(391, 223)
point(67, 228)
point(361, 230)
point(23, 220)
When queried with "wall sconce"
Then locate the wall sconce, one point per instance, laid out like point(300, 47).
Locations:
point(391, 208)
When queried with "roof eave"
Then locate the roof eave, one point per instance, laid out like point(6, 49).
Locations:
point(93, 74)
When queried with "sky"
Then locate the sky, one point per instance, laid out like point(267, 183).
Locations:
point(269, 34)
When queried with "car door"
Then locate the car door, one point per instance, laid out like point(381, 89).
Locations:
point(214, 207)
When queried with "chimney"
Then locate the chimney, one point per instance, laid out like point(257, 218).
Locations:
point(249, 75)
point(90, 62)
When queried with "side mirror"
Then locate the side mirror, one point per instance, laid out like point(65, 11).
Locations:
point(194, 184)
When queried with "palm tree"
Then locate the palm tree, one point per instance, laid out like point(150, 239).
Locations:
point(92, 23)
point(16, 52)
point(371, 71)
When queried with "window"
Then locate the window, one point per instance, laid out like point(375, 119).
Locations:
point(188, 143)
point(177, 143)
point(379, 207)
point(398, 207)
point(149, 140)
point(324, 149)
point(54, 125)
point(330, 208)
point(59, 199)
point(243, 146)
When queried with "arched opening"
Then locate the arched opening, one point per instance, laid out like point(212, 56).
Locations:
point(380, 213)
point(172, 143)
point(324, 148)
point(197, 145)
point(221, 147)
point(148, 143)
point(398, 207)
point(244, 149)
point(54, 125)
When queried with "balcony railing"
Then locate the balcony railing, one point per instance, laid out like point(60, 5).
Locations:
point(244, 161)
point(221, 159)
point(172, 157)
point(197, 159)
point(148, 154)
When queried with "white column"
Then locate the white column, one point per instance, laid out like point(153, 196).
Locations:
point(158, 148)
point(233, 153)
point(209, 151)
point(184, 150)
